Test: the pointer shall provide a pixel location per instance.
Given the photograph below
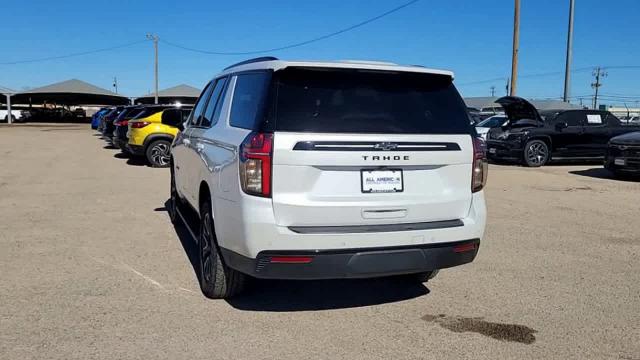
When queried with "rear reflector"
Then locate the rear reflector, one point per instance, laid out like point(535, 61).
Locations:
point(291, 259)
point(464, 247)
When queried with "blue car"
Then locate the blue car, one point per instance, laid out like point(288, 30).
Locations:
point(95, 119)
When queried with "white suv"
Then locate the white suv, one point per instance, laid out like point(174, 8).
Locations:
point(324, 170)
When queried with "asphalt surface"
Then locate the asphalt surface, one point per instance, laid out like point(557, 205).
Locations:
point(91, 267)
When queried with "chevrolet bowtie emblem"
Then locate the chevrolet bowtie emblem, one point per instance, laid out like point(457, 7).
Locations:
point(385, 146)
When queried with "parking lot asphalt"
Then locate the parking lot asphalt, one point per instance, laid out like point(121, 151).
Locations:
point(91, 267)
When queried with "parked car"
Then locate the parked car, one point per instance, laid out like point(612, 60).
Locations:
point(107, 122)
point(121, 126)
point(325, 170)
point(95, 119)
point(623, 154)
point(483, 127)
point(150, 134)
point(16, 115)
point(534, 139)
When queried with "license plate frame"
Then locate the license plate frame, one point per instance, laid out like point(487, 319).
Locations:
point(396, 186)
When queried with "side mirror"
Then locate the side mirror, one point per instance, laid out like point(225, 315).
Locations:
point(173, 117)
point(561, 125)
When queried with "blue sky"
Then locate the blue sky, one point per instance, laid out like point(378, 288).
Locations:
point(472, 38)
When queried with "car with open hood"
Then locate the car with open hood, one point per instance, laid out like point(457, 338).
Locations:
point(535, 138)
point(623, 154)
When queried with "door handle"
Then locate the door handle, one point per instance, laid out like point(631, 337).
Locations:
point(199, 146)
point(186, 142)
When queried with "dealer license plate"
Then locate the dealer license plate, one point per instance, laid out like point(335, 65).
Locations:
point(382, 181)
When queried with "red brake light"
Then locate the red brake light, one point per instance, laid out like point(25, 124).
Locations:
point(480, 165)
point(139, 124)
point(255, 164)
point(291, 259)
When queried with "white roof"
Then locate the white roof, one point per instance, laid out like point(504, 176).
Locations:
point(345, 64)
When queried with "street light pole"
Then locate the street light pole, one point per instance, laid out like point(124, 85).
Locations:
point(567, 71)
point(155, 47)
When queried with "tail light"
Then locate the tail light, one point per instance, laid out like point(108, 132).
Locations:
point(255, 164)
point(480, 165)
point(139, 124)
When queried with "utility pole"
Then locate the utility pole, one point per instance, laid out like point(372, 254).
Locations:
point(493, 91)
point(516, 46)
point(155, 47)
point(598, 73)
point(567, 70)
point(115, 83)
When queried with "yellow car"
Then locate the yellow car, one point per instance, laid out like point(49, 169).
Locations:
point(150, 137)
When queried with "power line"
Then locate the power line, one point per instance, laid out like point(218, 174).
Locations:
point(302, 43)
point(583, 69)
point(72, 54)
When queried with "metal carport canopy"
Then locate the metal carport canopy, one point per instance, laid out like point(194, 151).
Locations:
point(70, 92)
point(184, 94)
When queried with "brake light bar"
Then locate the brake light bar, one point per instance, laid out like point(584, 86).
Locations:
point(291, 259)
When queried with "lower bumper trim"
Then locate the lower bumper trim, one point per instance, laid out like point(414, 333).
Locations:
point(355, 263)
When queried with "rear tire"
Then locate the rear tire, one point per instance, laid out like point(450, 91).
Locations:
point(158, 153)
point(173, 200)
point(217, 281)
point(536, 153)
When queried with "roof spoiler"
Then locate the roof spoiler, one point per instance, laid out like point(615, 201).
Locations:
point(251, 61)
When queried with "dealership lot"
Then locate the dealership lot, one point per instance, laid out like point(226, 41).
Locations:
point(92, 267)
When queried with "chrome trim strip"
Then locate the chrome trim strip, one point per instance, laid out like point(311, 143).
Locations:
point(355, 229)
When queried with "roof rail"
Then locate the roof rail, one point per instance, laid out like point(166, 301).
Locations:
point(254, 60)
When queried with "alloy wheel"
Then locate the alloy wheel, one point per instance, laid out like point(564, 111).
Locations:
point(206, 250)
point(537, 153)
point(160, 154)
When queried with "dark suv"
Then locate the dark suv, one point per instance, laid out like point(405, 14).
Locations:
point(535, 138)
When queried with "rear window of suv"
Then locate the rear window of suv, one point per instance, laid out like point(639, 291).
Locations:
point(363, 101)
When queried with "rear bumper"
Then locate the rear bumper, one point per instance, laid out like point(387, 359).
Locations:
point(353, 263)
point(119, 143)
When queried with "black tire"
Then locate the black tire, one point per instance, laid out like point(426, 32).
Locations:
point(217, 281)
point(158, 153)
point(173, 199)
point(536, 153)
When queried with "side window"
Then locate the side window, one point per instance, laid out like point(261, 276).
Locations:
point(595, 119)
point(572, 118)
point(209, 117)
point(200, 104)
point(248, 99)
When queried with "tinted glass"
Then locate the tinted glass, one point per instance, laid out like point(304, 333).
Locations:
point(148, 111)
point(199, 108)
point(248, 99)
point(492, 122)
point(572, 118)
point(133, 113)
point(358, 101)
point(208, 119)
